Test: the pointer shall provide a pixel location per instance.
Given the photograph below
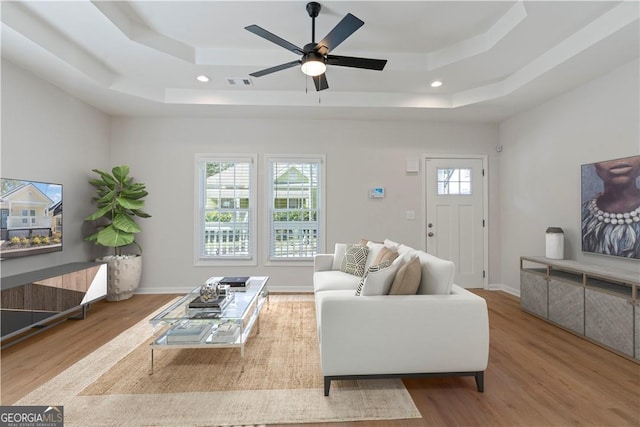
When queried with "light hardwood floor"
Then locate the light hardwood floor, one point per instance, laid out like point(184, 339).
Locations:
point(538, 374)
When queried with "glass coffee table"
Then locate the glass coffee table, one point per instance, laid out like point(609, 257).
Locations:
point(181, 326)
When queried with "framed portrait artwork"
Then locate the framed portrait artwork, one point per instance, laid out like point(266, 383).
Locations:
point(611, 207)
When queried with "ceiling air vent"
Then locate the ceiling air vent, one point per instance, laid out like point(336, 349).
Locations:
point(239, 81)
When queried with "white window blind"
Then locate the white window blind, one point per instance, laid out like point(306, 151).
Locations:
point(226, 204)
point(295, 208)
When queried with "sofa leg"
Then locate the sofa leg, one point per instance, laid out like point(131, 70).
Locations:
point(480, 381)
point(327, 385)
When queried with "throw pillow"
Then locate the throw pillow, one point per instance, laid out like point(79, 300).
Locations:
point(407, 278)
point(379, 282)
point(374, 250)
point(354, 260)
point(372, 269)
point(385, 254)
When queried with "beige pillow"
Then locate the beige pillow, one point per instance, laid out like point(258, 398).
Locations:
point(407, 278)
point(386, 254)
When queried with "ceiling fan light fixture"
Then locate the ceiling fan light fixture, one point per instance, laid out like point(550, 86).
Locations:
point(313, 65)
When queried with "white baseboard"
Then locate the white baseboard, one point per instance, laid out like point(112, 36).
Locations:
point(508, 289)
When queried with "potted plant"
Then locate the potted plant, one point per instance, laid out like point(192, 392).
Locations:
point(119, 200)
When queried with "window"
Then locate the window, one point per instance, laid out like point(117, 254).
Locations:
point(295, 208)
point(454, 182)
point(224, 228)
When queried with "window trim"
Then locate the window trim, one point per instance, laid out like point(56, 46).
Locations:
point(199, 260)
point(322, 214)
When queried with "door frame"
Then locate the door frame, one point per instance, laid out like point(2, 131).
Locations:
point(485, 203)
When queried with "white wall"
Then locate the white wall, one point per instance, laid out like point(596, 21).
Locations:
point(540, 165)
point(360, 154)
point(50, 136)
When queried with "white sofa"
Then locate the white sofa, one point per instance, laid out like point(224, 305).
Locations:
point(442, 330)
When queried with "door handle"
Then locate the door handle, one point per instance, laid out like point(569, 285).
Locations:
point(430, 234)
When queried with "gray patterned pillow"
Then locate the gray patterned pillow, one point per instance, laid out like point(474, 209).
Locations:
point(373, 268)
point(354, 260)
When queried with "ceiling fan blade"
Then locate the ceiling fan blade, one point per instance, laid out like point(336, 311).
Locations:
point(340, 32)
point(274, 69)
point(259, 31)
point(321, 82)
point(350, 61)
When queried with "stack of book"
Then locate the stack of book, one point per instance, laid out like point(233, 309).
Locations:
point(226, 333)
point(188, 331)
point(216, 305)
point(236, 283)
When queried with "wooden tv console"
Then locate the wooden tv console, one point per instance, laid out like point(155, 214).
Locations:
point(34, 301)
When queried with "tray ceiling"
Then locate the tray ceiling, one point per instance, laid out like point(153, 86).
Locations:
point(494, 58)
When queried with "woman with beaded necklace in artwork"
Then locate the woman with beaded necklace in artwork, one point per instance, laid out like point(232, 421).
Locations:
point(611, 219)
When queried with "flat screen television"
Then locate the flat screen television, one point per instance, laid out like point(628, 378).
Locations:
point(31, 218)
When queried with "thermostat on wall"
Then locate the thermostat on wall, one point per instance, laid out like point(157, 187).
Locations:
point(376, 193)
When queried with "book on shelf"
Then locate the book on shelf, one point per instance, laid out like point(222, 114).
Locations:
point(225, 333)
point(188, 331)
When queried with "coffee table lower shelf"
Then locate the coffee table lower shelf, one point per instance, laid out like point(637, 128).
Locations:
point(161, 343)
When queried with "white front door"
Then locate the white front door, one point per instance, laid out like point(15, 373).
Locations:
point(455, 216)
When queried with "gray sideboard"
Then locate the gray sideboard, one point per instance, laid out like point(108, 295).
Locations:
point(31, 302)
point(598, 303)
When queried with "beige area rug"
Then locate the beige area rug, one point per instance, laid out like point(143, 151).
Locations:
point(278, 381)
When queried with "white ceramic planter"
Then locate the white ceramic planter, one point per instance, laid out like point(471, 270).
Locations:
point(123, 276)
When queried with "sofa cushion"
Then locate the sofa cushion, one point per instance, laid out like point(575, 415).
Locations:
point(354, 260)
point(371, 284)
point(391, 244)
point(407, 279)
point(403, 249)
point(338, 255)
point(437, 275)
point(334, 280)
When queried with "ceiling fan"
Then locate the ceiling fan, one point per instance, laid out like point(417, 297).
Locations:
point(315, 56)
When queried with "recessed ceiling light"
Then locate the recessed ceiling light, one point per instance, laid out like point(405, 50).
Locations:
point(202, 78)
point(436, 83)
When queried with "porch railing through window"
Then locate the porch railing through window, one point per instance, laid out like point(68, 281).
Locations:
point(293, 239)
point(229, 238)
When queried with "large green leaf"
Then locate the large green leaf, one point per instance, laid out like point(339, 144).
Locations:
point(140, 213)
point(99, 214)
point(112, 237)
point(106, 198)
point(120, 173)
point(106, 177)
point(125, 223)
point(134, 194)
point(130, 204)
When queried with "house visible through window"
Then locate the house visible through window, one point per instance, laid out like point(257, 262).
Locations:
point(225, 206)
point(295, 208)
point(454, 182)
